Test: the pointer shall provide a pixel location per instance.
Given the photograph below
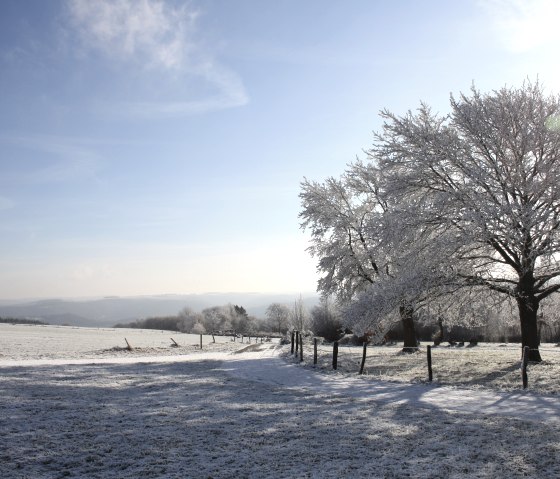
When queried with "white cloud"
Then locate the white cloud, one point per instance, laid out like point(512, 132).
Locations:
point(159, 38)
point(148, 30)
point(523, 25)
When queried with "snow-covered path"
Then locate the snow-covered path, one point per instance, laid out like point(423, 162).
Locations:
point(267, 367)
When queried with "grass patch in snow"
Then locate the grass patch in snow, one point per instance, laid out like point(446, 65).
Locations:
point(485, 366)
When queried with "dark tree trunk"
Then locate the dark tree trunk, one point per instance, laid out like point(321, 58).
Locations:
point(528, 306)
point(410, 344)
point(438, 337)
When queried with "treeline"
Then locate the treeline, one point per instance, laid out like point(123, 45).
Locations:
point(21, 321)
point(217, 318)
point(169, 323)
point(279, 318)
point(329, 320)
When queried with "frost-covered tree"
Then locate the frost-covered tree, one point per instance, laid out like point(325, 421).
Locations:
point(198, 328)
point(189, 319)
point(488, 174)
point(299, 316)
point(215, 318)
point(240, 319)
point(228, 317)
point(278, 317)
point(368, 257)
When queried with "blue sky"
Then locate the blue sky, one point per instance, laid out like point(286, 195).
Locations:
point(154, 147)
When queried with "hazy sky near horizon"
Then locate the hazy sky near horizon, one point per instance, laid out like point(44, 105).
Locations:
point(152, 147)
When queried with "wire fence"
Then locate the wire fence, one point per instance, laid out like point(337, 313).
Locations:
point(503, 367)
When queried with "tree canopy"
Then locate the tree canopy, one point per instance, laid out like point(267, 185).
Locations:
point(477, 188)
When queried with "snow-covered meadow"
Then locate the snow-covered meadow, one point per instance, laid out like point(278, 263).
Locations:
point(100, 411)
point(22, 341)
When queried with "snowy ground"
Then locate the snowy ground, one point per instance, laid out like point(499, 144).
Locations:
point(21, 341)
point(222, 415)
point(486, 366)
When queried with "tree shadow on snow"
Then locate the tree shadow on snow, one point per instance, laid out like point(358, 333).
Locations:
point(196, 419)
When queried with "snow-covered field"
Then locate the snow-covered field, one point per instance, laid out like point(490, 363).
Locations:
point(23, 341)
point(159, 413)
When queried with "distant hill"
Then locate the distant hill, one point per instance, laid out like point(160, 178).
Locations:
point(108, 311)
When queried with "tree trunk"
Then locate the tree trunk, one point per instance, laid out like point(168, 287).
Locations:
point(438, 337)
point(528, 308)
point(410, 344)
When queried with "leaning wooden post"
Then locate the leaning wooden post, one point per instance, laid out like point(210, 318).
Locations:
point(297, 342)
point(335, 355)
point(201, 341)
point(301, 347)
point(213, 338)
point(293, 334)
point(314, 350)
point(429, 353)
point(363, 358)
point(524, 362)
point(128, 346)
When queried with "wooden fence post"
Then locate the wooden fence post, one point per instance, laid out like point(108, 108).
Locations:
point(314, 350)
point(297, 342)
point(429, 353)
point(524, 362)
point(213, 338)
point(335, 355)
point(201, 341)
point(363, 358)
point(293, 334)
point(301, 347)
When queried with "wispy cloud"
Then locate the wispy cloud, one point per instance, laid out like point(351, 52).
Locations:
point(228, 92)
point(523, 25)
point(158, 37)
